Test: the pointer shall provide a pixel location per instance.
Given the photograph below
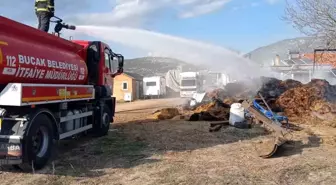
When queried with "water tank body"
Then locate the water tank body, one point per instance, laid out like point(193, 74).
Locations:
point(28, 55)
point(277, 60)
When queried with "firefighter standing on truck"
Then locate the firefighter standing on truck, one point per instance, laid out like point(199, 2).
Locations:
point(44, 10)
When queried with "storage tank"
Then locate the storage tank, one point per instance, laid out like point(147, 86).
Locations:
point(28, 57)
point(277, 60)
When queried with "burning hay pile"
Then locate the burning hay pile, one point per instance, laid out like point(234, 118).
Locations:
point(272, 88)
point(317, 99)
point(299, 102)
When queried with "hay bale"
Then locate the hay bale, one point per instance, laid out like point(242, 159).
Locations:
point(204, 107)
point(211, 112)
point(317, 97)
point(273, 88)
point(166, 113)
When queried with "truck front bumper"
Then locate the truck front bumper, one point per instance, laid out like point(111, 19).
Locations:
point(187, 94)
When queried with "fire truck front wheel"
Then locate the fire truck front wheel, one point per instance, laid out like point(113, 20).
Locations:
point(106, 119)
point(38, 143)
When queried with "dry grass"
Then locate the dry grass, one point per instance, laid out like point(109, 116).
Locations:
point(178, 152)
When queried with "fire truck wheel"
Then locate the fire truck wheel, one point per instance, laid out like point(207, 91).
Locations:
point(106, 121)
point(38, 143)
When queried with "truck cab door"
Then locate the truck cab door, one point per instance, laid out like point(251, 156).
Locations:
point(93, 58)
point(108, 70)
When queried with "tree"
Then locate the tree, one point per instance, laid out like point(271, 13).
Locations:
point(313, 18)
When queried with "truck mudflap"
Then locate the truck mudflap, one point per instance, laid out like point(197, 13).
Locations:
point(10, 150)
point(11, 133)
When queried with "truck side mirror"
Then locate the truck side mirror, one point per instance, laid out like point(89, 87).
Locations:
point(120, 70)
point(120, 61)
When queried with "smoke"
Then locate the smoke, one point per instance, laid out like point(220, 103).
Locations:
point(194, 52)
point(328, 76)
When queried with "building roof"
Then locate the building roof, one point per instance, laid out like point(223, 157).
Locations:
point(134, 75)
point(302, 68)
point(298, 61)
point(322, 58)
point(302, 63)
point(325, 58)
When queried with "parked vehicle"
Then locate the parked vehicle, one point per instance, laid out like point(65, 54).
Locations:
point(191, 83)
point(154, 87)
point(51, 89)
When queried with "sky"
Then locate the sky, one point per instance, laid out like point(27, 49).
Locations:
point(240, 25)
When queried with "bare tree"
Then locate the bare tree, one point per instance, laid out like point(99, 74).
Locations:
point(313, 18)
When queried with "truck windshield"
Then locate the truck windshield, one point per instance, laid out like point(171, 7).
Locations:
point(188, 83)
point(150, 83)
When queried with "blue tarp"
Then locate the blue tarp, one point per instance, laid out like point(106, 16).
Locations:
point(269, 113)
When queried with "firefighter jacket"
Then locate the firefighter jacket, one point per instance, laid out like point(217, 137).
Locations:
point(44, 6)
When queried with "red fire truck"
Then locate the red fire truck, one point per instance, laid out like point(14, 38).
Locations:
point(51, 89)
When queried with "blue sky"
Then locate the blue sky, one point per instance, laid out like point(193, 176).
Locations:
point(238, 26)
point(241, 25)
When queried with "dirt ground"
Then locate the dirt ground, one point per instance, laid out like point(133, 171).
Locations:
point(141, 151)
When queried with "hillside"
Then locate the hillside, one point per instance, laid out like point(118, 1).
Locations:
point(151, 66)
point(265, 54)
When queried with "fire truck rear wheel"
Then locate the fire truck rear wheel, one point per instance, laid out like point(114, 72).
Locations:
point(38, 143)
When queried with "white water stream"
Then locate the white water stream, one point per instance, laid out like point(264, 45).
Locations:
point(194, 52)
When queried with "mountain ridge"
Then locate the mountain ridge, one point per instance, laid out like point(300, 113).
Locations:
point(156, 66)
point(265, 54)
